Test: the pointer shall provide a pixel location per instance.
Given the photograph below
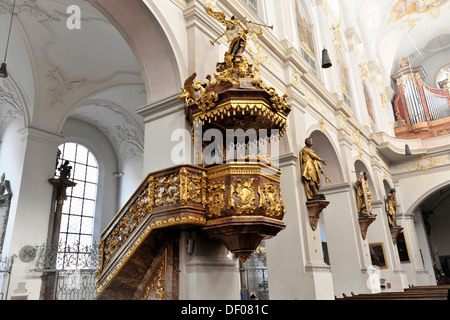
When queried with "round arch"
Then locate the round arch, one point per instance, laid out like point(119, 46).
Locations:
point(150, 38)
point(324, 148)
point(420, 200)
point(387, 186)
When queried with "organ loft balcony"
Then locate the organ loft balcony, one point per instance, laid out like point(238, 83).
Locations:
point(421, 111)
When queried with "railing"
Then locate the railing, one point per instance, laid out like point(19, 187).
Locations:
point(167, 198)
point(73, 269)
point(5, 274)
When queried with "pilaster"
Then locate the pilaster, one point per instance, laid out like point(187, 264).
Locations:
point(30, 217)
point(349, 252)
point(295, 258)
point(168, 141)
point(415, 234)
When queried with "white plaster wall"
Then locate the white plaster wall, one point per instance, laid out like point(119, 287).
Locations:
point(12, 149)
point(132, 178)
point(440, 222)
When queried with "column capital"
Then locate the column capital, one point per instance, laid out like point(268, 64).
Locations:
point(41, 136)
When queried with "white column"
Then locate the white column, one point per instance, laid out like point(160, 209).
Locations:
point(30, 220)
point(168, 140)
point(380, 232)
point(415, 230)
point(349, 252)
point(206, 271)
point(296, 267)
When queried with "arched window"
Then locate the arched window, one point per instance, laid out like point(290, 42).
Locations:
point(77, 219)
point(305, 34)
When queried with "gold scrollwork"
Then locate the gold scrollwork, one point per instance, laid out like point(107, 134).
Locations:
point(208, 101)
point(216, 199)
point(157, 282)
point(274, 208)
point(246, 192)
point(126, 225)
point(183, 187)
point(426, 163)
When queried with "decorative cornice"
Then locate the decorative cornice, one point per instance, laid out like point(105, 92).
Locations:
point(288, 160)
point(161, 109)
point(41, 136)
point(337, 188)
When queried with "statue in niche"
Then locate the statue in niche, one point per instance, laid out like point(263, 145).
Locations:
point(5, 191)
point(364, 196)
point(65, 170)
point(391, 208)
point(311, 168)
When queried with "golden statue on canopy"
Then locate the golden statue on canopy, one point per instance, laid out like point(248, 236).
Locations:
point(237, 30)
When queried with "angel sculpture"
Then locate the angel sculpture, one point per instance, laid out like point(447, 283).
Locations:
point(236, 32)
point(188, 90)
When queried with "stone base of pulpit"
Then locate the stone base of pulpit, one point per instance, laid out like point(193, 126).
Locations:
point(243, 235)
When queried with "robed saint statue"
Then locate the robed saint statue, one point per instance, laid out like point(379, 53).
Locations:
point(391, 208)
point(363, 195)
point(311, 167)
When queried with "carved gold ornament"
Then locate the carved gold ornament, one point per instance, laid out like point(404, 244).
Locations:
point(205, 101)
point(426, 163)
point(156, 286)
point(246, 193)
point(183, 187)
point(274, 205)
point(216, 199)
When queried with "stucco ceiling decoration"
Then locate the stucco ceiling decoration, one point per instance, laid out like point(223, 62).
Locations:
point(94, 54)
point(12, 103)
point(30, 8)
point(8, 96)
point(115, 121)
point(404, 28)
point(90, 74)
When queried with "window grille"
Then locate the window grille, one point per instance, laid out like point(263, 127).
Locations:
point(78, 210)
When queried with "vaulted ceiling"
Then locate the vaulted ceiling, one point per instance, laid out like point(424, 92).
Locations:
point(88, 73)
point(414, 29)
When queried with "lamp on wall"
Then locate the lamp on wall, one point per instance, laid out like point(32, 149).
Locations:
point(3, 70)
point(326, 61)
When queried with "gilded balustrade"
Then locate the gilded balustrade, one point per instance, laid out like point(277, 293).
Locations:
point(168, 198)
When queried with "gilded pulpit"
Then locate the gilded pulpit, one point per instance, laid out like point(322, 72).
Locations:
point(231, 194)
